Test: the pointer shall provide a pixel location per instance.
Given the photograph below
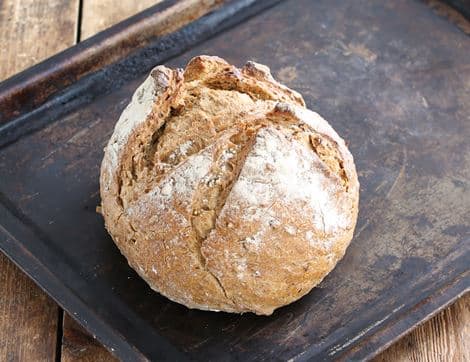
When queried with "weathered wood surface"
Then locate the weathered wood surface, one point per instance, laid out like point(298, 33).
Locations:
point(28, 317)
point(30, 31)
point(78, 345)
point(445, 333)
point(445, 337)
point(98, 15)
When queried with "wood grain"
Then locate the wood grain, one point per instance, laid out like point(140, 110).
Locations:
point(446, 337)
point(28, 317)
point(98, 15)
point(78, 345)
point(31, 31)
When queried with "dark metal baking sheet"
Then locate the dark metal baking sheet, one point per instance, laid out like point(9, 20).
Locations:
point(392, 78)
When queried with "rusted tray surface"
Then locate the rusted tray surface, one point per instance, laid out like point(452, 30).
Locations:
point(391, 77)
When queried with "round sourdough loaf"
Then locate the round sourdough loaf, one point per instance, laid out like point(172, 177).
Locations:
point(223, 191)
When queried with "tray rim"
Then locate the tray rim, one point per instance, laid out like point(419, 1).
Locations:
point(71, 75)
point(60, 293)
point(437, 300)
point(115, 342)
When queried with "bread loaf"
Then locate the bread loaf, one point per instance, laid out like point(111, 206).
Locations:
point(224, 192)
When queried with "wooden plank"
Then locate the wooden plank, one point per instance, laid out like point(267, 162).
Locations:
point(438, 333)
point(449, 323)
point(78, 345)
point(99, 15)
point(444, 333)
point(96, 17)
point(29, 31)
point(28, 317)
point(43, 82)
point(445, 337)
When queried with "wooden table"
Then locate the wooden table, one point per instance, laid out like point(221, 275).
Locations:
point(32, 326)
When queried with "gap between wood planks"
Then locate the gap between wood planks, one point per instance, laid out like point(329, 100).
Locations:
point(30, 31)
point(26, 312)
point(91, 17)
point(78, 28)
point(60, 325)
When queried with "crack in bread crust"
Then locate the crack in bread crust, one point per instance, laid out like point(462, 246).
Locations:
point(325, 147)
point(188, 97)
point(134, 160)
point(213, 189)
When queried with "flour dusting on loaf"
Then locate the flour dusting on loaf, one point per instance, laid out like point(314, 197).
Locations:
point(224, 192)
point(279, 170)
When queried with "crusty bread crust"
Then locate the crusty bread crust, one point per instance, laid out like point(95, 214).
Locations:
point(224, 192)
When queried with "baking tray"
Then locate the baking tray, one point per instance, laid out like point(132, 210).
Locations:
point(391, 77)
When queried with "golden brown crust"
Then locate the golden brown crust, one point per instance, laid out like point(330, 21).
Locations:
point(224, 192)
